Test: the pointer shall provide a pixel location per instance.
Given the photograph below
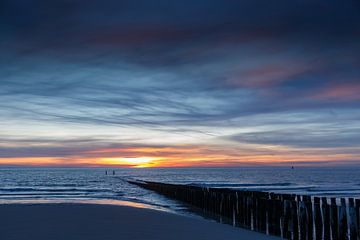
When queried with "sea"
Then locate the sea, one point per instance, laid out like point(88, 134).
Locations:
point(35, 185)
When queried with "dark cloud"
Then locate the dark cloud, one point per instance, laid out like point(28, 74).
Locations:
point(304, 138)
point(181, 67)
point(168, 28)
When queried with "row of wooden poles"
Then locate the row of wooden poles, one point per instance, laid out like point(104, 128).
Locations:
point(289, 216)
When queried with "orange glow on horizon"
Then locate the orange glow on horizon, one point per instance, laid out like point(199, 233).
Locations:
point(191, 156)
point(136, 162)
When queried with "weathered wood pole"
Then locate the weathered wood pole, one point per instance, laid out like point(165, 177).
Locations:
point(302, 220)
point(326, 218)
point(252, 211)
point(236, 209)
point(295, 221)
point(342, 220)
point(270, 213)
point(277, 216)
point(246, 210)
point(286, 219)
point(233, 206)
point(255, 211)
point(309, 217)
point(262, 213)
point(241, 208)
point(226, 208)
point(274, 215)
point(318, 219)
point(221, 207)
point(357, 210)
point(334, 220)
point(352, 220)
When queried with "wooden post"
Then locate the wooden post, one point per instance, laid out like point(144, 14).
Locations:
point(241, 208)
point(244, 207)
point(221, 207)
point(286, 219)
point(342, 220)
point(258, 211)
point(309, 217)
point(295, 222)
point(282, 219)
point(357, 212)
point(256, 203)
point(326, 218)
point(246, 211)
point(250, 210)
point(273, 215)
point(232, 208)
point(352, 220)
point(334, 220)
point(302, 220)
point(225, 208)
point(270, 211)
point(262, 213)
point(233, 200)
point(318, 219)
point(277, 216)
point(236, 209)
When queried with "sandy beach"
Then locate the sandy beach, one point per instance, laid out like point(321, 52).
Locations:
point(107, 222)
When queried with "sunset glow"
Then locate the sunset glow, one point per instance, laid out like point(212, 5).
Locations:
point(137, 162)
point(179, 83)
point(195, 156)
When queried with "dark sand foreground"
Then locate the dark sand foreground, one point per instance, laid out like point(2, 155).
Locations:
point(107, 222)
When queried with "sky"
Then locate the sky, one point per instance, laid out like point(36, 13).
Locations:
point(166, 83)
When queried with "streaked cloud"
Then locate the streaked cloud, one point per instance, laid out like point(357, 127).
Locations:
point(205, 82)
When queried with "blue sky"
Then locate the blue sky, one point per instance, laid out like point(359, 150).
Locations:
point(192, 82)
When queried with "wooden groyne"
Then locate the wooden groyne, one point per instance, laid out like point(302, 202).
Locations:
point(288, 216)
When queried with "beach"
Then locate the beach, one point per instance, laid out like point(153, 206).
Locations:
point(106, 222)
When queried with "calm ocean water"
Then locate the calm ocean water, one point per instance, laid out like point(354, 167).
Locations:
point(54, 184)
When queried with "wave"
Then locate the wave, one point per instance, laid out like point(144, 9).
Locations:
point(61, 185)
point(236, 185)
point(30, 189)
point(40, 194)
point(335, 190)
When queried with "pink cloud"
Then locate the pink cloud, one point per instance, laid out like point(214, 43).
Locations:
point(343, 91)
point(266, 75)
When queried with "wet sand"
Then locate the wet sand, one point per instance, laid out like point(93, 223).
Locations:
point(109, 222)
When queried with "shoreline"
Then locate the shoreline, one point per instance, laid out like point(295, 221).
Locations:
point(104, 201)
point(105, 221)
